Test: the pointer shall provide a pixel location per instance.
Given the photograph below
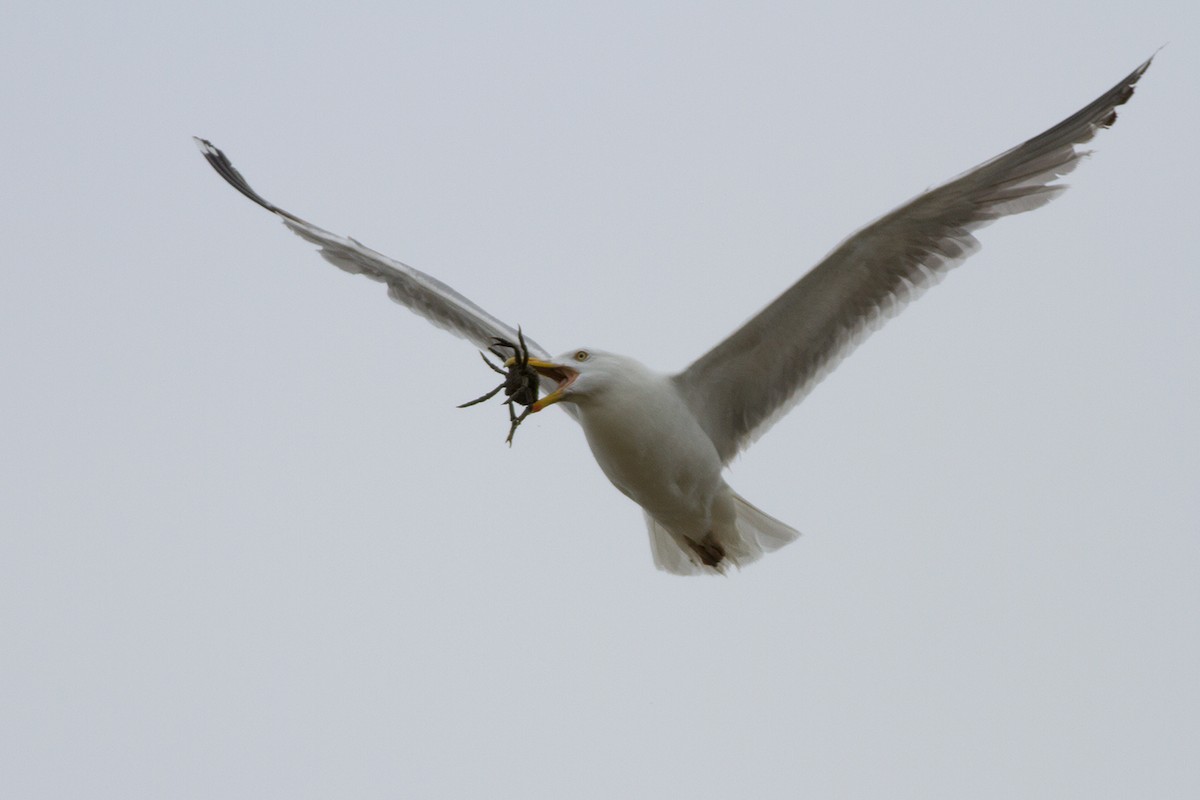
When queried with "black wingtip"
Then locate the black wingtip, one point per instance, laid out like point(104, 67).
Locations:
point(224, 167)
point(1127, 90)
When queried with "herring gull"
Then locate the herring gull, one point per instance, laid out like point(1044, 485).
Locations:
point(664, 440)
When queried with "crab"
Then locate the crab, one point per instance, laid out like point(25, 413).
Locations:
point(520, 382)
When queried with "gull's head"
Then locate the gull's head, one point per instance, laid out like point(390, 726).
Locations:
point(579, 375)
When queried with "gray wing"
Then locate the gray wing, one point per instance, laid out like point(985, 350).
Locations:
point(744, 384)
point(424, 294)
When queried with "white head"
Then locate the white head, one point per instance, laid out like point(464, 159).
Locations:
point(583, 374)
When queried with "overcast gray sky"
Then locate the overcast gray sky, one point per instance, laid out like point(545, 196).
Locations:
point(249, 548)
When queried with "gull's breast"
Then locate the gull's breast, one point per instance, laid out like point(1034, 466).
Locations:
point(652, 448)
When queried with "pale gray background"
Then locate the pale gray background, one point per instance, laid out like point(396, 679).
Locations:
point(251, 550)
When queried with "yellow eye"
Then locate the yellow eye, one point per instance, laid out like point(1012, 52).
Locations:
point(581, 355)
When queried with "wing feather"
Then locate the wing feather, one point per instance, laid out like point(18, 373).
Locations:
point(422, 293)
point(744, 384)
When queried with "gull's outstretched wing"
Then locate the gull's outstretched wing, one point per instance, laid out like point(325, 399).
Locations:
point(426, 295)
point(740, 387)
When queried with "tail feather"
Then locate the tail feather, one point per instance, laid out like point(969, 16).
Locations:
point(668, 554)
point(752, 534)
point(769, 533)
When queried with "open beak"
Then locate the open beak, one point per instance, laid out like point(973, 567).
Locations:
point(562, 375)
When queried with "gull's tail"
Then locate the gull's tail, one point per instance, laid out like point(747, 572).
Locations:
point(751, 534)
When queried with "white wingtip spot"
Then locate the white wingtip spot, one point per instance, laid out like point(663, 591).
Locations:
point(205, 146)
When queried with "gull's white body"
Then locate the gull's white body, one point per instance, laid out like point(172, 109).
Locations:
point(663, 440)
point(652, 448)
point(648, 443)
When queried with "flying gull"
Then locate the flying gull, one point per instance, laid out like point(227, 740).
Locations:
point(664, 440)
